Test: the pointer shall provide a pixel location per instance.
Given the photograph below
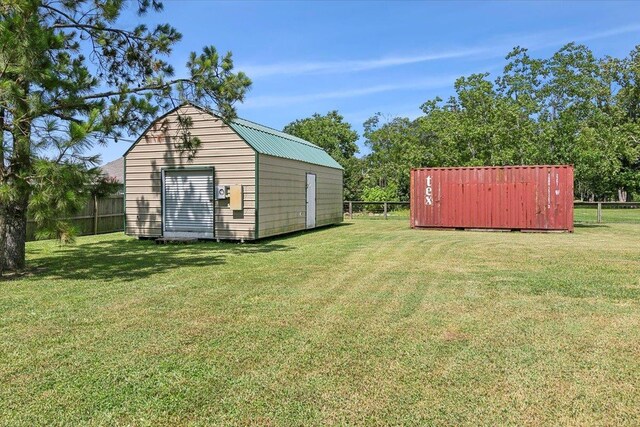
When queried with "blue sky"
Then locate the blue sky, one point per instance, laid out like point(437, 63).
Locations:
point(365, 57)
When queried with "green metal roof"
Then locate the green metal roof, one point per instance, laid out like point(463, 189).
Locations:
point(279, 144)
point(266, 140)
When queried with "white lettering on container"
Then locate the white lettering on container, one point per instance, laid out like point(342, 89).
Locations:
point(429, 192)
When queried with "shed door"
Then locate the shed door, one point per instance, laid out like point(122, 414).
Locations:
point(188, 203)
point(311, 200)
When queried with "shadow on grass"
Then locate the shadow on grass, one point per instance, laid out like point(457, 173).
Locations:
point(129, 259)
point(589, 225)
point(9, 276)
point(293, 234)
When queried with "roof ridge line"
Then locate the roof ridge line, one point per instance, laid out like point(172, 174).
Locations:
point(288, 136)
point(267, 146)
point(283, 135)
point(260, 124)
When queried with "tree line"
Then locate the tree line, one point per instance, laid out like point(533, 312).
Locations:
point(570, 108)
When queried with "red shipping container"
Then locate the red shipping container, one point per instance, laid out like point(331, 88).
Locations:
point(505, 197)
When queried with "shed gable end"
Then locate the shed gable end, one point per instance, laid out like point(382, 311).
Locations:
point(159, 148)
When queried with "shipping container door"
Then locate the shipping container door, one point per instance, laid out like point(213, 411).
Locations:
point(187, 201)
point(311, 200)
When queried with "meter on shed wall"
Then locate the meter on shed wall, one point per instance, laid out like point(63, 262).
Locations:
point(222, 192)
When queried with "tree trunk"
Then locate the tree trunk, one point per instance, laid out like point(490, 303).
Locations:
point(622, 195)
point(2, 233)
point(14, 212)
point(14, 222)
point(2, 178)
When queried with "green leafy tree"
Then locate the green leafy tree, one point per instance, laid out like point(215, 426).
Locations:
point(584, 121)
point(380, 194)
point(72, 77)
point(394, 148)
point(337, 138)
point(570, 108)
point(626, 76)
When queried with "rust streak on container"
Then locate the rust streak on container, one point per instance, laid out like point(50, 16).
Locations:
point(504, 197)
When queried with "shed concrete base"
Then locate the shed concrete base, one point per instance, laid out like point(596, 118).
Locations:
point(168, 240)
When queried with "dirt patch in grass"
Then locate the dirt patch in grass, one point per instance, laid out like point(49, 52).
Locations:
point(452, 335)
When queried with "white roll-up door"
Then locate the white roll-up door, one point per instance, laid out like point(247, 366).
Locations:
point(188, 203)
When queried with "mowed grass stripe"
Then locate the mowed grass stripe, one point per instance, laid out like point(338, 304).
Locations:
point(365, 323)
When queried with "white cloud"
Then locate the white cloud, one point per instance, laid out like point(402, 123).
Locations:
point(609, 33)
point(495, 48)
point(284, 100)
point(350, 66)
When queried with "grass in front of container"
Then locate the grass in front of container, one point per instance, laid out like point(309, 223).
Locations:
point(366, 323)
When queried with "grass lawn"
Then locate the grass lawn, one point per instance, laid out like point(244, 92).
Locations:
point(365, 323)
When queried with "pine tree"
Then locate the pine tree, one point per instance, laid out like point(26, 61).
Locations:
point(72, 77)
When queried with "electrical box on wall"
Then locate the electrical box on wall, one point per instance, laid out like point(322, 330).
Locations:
point(222, 192)
point(235, 197)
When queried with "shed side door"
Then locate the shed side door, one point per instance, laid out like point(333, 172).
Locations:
point(188, 203)
point(311, 200)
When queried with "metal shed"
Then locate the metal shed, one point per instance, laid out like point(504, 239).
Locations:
point(245, 182)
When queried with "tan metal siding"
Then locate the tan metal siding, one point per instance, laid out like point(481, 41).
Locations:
point(222, 148)
point(282, 195)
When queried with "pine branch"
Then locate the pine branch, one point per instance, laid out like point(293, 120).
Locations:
point(75, 24)
point(135, 90)
point(80, 101)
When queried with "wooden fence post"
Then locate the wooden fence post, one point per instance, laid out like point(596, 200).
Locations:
point(385, 210)
point(95, 214)
point(350, 210)
point(599, 215)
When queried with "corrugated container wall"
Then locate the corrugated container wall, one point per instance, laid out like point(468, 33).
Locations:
point(508, 197)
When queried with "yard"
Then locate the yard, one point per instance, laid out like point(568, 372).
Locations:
point(367, 322)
